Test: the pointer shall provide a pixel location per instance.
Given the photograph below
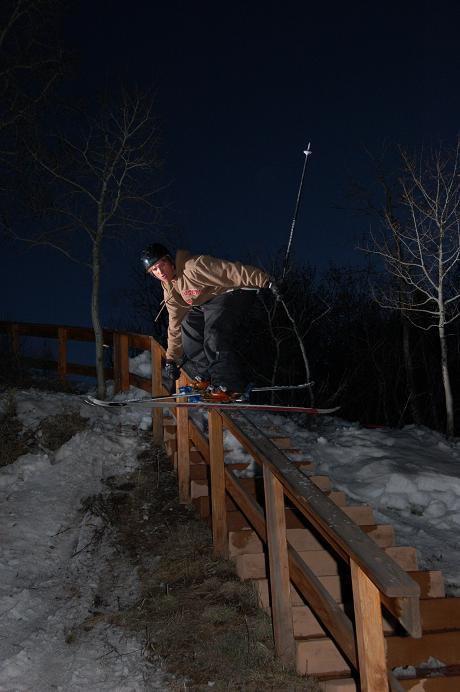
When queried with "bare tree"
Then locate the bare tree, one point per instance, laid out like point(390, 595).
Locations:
point(30, 59)
point(421, 248)
point(97, 180)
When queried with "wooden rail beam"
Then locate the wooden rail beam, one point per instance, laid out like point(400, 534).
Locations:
point(339, 531)
point(62, 352)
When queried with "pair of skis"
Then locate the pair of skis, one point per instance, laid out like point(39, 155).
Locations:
point(175, 401)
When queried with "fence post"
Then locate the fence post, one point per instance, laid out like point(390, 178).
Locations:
point(157, 390)
point(62, 352)
point(14, 339)
point(369, 632)
point(183, 451)
point(217, 468)
point(280, 587)
point(121, 361)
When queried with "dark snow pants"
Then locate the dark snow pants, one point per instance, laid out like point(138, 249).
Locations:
point(210, 333)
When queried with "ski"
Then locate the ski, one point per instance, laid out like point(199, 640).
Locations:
point(92, 401)
point(280, 388)
point(165, 402)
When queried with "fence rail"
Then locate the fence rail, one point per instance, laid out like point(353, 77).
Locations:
point(376, 579)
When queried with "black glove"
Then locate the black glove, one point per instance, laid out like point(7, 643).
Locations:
point(171, 370)
point(275, 289)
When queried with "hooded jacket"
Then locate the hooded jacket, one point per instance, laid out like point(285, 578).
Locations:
point(200, 278)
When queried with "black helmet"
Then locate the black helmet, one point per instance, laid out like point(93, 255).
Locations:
point(152, 254)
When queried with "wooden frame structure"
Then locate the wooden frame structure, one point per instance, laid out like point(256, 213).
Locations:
point(376, 579)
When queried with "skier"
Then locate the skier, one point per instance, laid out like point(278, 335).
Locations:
point(206, 303)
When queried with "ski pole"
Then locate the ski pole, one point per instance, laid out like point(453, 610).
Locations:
point(307, 153)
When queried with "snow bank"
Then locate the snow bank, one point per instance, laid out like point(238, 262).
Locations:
point(53, 557)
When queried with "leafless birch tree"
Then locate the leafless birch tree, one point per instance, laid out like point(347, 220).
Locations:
point(421, 248)
point(97, 180)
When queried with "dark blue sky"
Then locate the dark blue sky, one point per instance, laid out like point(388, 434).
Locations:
point(241, 88)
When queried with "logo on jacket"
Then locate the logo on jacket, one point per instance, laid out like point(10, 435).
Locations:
point(190, 293)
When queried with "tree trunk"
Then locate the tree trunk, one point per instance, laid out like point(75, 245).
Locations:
point(98, 334)
point(410, 379)
point(446, 381)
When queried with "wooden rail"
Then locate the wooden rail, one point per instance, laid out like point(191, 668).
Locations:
point(376, 579)
point(121, 342)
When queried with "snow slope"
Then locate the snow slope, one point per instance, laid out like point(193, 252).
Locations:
point(53, 558)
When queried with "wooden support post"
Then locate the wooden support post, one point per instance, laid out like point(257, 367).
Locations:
point(14, 339)
point(157, 390)
point(62, 352)
point(218, 507)
point(279, 569)
point(123, 361)
point(116, 363)
point(183, 453)
point(369, 632)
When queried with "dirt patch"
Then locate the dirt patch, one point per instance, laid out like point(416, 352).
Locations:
point(193, 612)
point(55, 431)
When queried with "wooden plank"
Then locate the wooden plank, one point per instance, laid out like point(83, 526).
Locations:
point(279, 569)
point(77, 369)
point(440, 614)
point(369, 632)
point(252, 565)
point(142, 342)
point(450, 683)
point(329, 519)
point(157, 389)
point(445, 646)
point(404, 556)
point(62, 352)
point(123, 361)
point(45, 331)
point(199, 488)
point(141, 383)
point(14, 339)
point(382, 534)
point(116, 363)
point(199, 440)
point(218, 509)
point(320, 657)
point(431, 583)
point(183, 457)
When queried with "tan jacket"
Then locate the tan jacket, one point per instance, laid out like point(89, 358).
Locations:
point(200, 278)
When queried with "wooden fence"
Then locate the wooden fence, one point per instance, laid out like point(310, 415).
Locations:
point(376, 579)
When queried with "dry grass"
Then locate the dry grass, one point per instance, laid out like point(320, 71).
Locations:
point(193, 611)
point(52, 433)
point(12, 445)
point(55, 431)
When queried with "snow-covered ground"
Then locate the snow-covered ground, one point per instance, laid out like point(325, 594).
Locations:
point(53, 556)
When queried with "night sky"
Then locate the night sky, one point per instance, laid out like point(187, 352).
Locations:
point(241, 88)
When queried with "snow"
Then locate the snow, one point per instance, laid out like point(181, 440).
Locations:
point(410, 476)
point(53, 559)
point(54, 556)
